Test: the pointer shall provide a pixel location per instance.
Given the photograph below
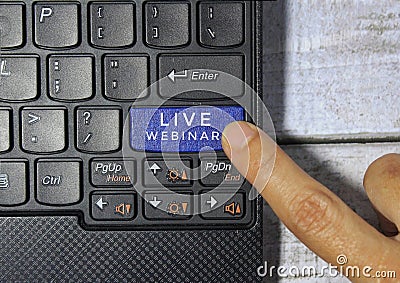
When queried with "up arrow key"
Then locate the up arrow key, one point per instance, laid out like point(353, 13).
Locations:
point(33, 118)
point(154, 168)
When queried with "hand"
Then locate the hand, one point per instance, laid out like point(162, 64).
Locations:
point(322, 221)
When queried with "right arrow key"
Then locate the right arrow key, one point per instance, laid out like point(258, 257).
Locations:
point(222, 205)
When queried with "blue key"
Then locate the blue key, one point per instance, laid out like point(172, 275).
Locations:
point(181, 129)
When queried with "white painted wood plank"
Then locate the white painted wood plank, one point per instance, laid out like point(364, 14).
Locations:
point(332, 68)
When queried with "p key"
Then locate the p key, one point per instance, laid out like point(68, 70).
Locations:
point(56, 24)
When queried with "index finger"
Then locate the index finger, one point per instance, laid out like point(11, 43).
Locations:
point(312, 212)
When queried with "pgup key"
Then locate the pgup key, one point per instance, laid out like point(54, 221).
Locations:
point(108, 173)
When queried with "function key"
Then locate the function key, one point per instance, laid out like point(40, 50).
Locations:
point(113, 24)
point(58, 182)
point(222, 205)
point(13, 182)
point(18, 78)
point(126, 77)
point(187, 72)
point(113, 206)
point(221, 24)
point(160, 206)
point(167, 24)
point(112, 172)
point(70, 77)
point(98, 129)
point(5, 129)
point(44, 130)
point(158, 172)
point(220, 172)
point(56, 24)
point(11, 25)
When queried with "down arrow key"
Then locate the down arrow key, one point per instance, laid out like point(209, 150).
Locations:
point(155, 202)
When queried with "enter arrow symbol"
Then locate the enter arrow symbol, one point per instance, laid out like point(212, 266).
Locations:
point(155, 202)
point(173, 75)
point(212, 202)
point(100, 203)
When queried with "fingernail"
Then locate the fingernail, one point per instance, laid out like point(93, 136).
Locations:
point(238, 134)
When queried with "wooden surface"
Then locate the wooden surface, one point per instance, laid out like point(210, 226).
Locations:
point(331, 74)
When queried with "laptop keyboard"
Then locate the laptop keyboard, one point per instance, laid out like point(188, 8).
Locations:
point(73, 141)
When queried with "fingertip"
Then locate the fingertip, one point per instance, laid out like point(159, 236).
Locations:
point(388, 164)
point(236, 136)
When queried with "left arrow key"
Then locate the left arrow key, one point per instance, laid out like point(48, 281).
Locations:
point(113, 206)
point(101, 203)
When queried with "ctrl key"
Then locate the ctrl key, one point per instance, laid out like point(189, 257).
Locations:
point(13, 182)
point(58, 181)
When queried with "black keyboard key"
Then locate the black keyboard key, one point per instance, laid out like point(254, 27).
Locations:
point(11, 25)
point(98, 129)
point(113, 24)
point(196, 72)
point(219, 172)
point(5, 129)
point(113, 206)
point(126, 77)
point(221, 24)
point(58, 182)
point(13, 182)
point(169, 173)
point(112, 173)
point(167, 24)
point(70, 77)
point(18, 78)
point(160, 205)
point(222, 205)
point(44, 130)
point(56, 24)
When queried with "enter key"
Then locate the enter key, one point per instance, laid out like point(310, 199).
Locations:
point(208, 75)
